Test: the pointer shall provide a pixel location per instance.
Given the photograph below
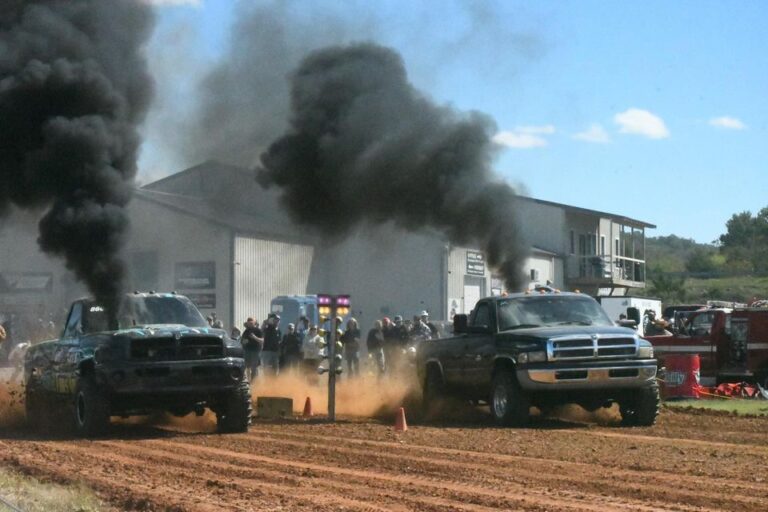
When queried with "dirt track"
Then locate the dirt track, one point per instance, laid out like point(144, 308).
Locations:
point(687, 462)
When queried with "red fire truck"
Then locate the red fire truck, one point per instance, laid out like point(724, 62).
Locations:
point(732, 344)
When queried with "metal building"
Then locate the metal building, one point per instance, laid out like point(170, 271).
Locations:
point(212, 233)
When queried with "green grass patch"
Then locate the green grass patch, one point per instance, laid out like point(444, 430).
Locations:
point(32, 495)
point(737, 406)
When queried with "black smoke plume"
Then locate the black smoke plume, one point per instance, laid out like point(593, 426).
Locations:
point(364, 144)
point(73, 87)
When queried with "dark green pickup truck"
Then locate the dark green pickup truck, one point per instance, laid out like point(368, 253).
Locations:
point(543, 350)
point(161, 356)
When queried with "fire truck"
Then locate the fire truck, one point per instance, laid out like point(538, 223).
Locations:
point(732, 343)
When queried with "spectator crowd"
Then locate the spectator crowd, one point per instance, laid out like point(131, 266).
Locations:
point(302, 347)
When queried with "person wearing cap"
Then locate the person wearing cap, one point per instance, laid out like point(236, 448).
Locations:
point(350, 340)
point(291, 348)
point(270, 354)
point(402, 330)
point(432, 327)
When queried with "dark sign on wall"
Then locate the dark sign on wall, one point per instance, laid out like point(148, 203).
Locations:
point(195, 275)
point(203, 300)
point(475, 263)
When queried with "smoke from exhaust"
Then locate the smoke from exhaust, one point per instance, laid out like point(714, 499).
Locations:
point(364, 145)
point(73, 87)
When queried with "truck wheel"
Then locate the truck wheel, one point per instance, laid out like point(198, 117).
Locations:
point(35, 406)
point(641, 408)
point(234, 415)
point(510, 405)
point(433, 399)
point(91, 408)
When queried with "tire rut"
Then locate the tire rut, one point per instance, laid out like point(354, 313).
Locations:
point(689, 487)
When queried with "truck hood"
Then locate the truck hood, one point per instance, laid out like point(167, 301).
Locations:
point(167, 330)
point(545, 333)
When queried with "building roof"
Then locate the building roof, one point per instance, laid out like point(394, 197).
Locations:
point(229, 195)
point(226, 216)
point(576, 209)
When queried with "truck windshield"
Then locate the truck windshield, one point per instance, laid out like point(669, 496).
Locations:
point(160, 310)
point(549, 310)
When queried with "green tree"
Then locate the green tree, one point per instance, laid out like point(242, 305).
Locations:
point(668, 289)
point(700, 261)
point(745, 243)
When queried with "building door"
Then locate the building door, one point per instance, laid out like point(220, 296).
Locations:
point(474, 290)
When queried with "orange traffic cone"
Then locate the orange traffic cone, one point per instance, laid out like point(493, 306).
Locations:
point(307, 408)
point(400, 424)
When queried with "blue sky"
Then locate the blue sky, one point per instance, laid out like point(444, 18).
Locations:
point(651, 109)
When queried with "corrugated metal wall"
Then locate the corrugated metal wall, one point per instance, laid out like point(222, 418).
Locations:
point(265, 269)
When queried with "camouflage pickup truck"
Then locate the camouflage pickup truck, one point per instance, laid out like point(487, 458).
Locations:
point(161, 356)
point(543, 350)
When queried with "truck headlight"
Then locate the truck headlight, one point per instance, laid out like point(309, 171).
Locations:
point(645, 351)
point(538, 356)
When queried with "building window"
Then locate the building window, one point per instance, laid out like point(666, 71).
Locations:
point(573, 243)
point(617, 248)
point(602, 245)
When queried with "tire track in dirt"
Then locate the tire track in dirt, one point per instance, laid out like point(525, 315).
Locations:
point(128, 493)
point(270, 492)
point(557, 499)
point(298, 474)
point(692, 488)
point(676, 441)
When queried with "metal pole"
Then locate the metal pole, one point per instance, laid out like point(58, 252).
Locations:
point(332, 366)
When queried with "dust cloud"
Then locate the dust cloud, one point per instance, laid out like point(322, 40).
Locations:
point(364, 396)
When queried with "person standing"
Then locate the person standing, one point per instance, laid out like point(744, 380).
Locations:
point(350, 340)
point(270, 353)
point(310, 348)
point(432, 327)
point(291, 348)
point(252, 340)
point(375, 345)
point(393, 345)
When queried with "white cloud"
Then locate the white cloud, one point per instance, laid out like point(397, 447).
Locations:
point(523, 137)
point(641, 122)
point(595, 133)
point(162, 3)
point(729, 123)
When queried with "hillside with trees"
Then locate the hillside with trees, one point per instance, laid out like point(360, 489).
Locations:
point(734, 267)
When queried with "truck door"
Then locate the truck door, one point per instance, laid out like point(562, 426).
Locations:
point(479, 347)
point(703, 341)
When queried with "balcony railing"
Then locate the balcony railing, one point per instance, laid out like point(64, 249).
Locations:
point(597, 269)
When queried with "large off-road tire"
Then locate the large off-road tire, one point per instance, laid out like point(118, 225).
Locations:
point(36, 405)
point(510, 404)
point(433, 402)
point(641, 408)
point(91, 408)
point(234, 414)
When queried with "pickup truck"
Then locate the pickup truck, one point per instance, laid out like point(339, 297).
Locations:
point(543, 350)
point(161, 356)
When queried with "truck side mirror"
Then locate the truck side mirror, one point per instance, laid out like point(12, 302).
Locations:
point(460, 324)
point(625, 322)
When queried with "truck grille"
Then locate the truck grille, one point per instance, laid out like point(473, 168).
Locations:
point(188, 348)
point(602, 347)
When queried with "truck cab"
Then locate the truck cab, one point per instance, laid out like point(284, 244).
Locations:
point(161, 356)
point(541, 349)
point(732, 344)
